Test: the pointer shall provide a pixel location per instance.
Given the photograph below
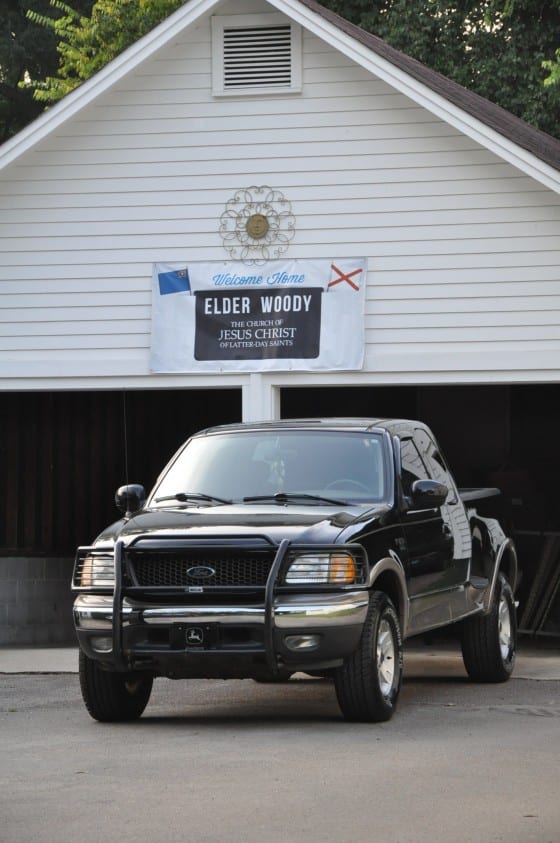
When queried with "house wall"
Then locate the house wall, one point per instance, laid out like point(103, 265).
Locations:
point(36, 601)
point(464, 250)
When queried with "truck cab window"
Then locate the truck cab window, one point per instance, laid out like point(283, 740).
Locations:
point(412, 466)
point(435, 462)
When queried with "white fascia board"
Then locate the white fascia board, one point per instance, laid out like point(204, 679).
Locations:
point(332, 380)
point(108, 76)
point(263, 397)
point(506, 149)
point(81, 383)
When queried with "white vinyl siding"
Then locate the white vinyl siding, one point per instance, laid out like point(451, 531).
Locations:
point(463, 249)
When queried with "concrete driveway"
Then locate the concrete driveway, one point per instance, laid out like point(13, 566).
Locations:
point(240, 762)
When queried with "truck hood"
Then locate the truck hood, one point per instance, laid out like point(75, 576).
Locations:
point(305, 524)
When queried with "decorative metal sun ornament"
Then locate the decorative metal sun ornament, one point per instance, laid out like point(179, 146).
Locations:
point(257, 225)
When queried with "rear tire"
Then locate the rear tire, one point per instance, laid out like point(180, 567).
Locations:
point(368, 683)
point(113, 697)
point(489, 641)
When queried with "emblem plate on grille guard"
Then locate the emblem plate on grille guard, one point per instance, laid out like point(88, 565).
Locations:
point(201, 572)
point(195, 636)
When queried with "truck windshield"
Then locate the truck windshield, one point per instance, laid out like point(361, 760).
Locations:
point(325, 466)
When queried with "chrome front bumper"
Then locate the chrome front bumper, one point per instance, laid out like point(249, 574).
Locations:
point(312, 611)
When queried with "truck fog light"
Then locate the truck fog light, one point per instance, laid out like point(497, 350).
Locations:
point(101, 643)
point(302, 642)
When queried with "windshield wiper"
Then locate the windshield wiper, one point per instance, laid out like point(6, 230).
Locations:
point(286, 497)
point(185, 497)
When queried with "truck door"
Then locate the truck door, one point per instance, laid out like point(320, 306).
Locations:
point(428, 538)
point(453, 512)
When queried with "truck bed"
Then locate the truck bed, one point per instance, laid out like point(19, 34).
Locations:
point(472, 495)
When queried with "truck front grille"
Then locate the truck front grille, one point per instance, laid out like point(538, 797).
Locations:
point(183, 568)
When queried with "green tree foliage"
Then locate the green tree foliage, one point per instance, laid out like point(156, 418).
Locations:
point(26, 50)
point(553, 68)
point(506, 50)
point(86, 44)
point(501, 49)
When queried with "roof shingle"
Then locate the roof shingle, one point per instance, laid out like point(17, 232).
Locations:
point(540, 144)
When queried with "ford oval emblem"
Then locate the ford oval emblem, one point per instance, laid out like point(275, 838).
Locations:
point(201, 572)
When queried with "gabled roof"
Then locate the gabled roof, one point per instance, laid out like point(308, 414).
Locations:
point(538, 143)
point(534, 152)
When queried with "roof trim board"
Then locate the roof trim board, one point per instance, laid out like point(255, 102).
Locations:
point(529, 150)
point(104, 80)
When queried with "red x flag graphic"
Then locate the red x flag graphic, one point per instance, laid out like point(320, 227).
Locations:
point(344, 276)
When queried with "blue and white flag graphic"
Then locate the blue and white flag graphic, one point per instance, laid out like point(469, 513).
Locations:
point(174, 281)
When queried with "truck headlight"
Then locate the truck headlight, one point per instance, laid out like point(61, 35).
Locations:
point(324, 568)
point(94, 570)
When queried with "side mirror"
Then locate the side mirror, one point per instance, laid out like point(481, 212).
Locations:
point(428, 494)
point(130, 498)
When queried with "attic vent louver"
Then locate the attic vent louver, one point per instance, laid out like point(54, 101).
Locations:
point(255, 54)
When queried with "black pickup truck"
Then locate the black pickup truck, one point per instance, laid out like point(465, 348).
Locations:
point(314, 546)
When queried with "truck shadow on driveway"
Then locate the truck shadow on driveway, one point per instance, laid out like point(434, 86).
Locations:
point(247, 704)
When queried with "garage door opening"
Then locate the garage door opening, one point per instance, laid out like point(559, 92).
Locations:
point(65, 453)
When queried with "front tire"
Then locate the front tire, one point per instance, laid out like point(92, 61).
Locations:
point(113, 697)
point(488, 642)
point(368, 683)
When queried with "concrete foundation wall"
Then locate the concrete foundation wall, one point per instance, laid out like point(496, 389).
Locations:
point(36, 601)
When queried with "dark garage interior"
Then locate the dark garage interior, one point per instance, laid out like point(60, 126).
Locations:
point(63, 456)
point(492, 435)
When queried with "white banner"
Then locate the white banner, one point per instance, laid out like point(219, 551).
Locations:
point(300, 315)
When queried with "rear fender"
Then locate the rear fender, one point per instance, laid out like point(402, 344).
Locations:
point(506, 563)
